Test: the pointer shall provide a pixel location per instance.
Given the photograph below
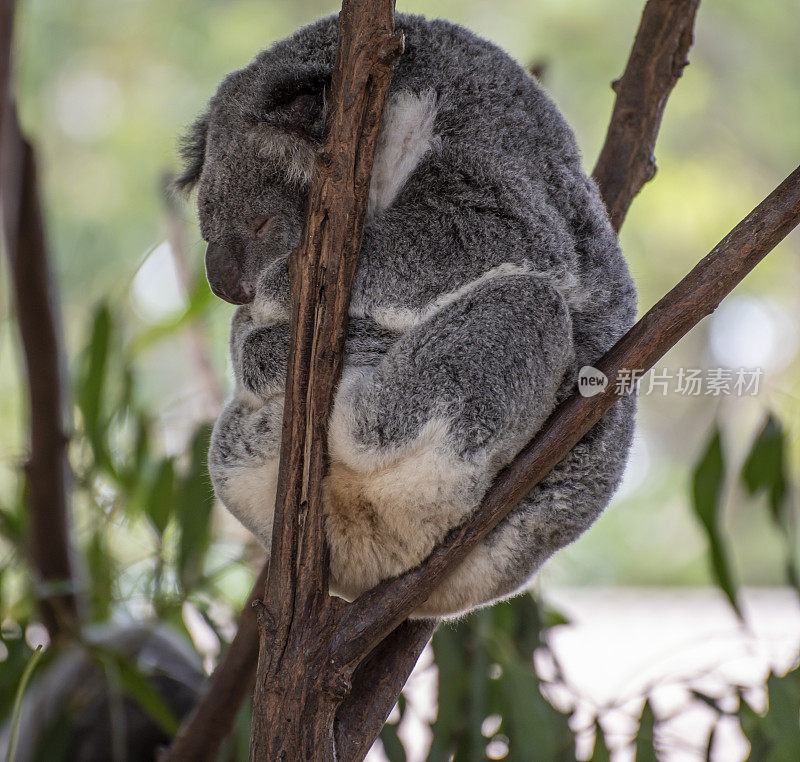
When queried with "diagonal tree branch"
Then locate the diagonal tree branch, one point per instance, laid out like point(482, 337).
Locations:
point(377, 683)
point(376, 613)
point(47, 469)
point(658, 57)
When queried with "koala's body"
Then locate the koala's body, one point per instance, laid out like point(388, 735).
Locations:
point(488, 275)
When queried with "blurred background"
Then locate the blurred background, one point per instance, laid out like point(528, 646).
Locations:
point(104, 87)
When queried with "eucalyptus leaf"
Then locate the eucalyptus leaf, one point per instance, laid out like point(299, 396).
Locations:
point(707, 484)
point(601, 753)
point(194, 501)
point(645, 738)
point(135, 684)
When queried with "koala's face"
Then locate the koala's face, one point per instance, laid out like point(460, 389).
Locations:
point(250, 157)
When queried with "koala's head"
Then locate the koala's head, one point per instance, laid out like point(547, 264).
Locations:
point(250, 158)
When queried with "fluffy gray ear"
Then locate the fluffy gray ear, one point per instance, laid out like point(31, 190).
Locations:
point(192, 150)
point(296, 105)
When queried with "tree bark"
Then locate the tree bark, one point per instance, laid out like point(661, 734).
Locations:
point(298, 684)
point(376, 684)
point(47, 469)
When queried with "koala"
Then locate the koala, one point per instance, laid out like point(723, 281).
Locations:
point(488, 276)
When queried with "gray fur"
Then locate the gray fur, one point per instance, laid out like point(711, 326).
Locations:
point(436, 348)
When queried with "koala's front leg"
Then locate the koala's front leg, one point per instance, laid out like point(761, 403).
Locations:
point(245, 446)
point(243, 462)
point(415, 442)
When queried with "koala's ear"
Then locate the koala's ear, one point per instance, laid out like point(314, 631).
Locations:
point(296, 105)
point(192, 150)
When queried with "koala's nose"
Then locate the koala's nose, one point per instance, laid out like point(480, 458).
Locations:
point(225, 275)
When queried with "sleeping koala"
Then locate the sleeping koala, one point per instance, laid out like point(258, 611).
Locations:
point(488, 275)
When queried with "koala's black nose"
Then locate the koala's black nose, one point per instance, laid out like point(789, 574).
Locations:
point(225, 275)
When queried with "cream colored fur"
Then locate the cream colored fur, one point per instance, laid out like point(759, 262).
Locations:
point(250, 495)
point(387, 509)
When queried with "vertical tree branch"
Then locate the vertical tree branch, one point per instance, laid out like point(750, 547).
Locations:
point(658, 57)
point(298, 685)
point(47, 469)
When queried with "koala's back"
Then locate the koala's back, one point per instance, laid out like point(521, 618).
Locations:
point(504, 184)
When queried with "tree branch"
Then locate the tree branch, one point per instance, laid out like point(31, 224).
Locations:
point(658, 56)
point(377, 612)
point(377, 683)
point(297, 687)
point(47, 469)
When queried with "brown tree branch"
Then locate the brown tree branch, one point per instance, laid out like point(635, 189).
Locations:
point(658, 57)
point(297, 687)
point(47, 469)
point(656, 23)
point(375, 614)
point(377, 683)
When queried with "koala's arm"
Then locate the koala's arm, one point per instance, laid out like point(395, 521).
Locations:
point(415, 441)
point(245, 445)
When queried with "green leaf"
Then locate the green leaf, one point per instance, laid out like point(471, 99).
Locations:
point(91, 382)
point(102, 573)
point(601, 753)
point(90, 386)
point(765, 467)
point(645, 738)
point(765, 471)
point(20, 694)
point(135, 684)
point(391, 744)
point(529, 720)
point(195, 499)
point(775, 735)
point(12, 526)
point(160, 496)
point(199, 301)
point(707, 483)
point(450, 652)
